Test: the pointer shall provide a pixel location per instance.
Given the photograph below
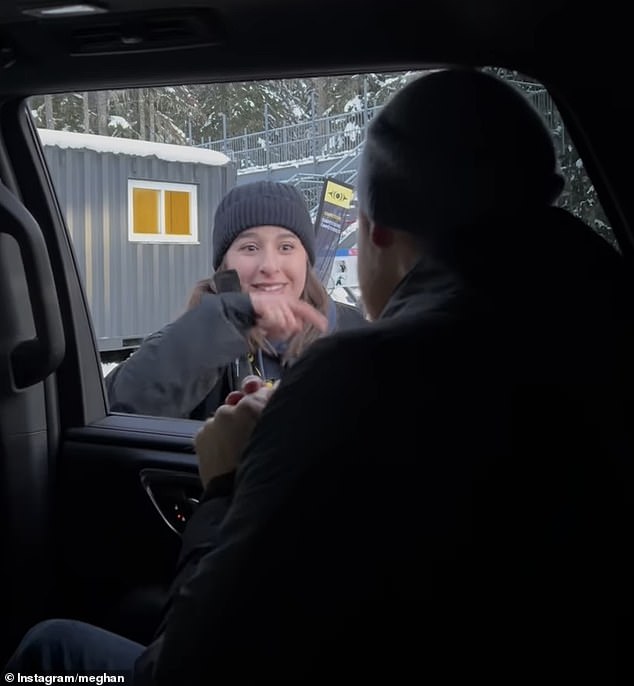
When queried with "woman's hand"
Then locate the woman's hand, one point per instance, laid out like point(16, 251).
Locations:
point(280, 316)
point(250, 384)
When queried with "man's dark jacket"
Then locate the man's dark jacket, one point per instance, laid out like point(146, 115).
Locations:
point(446, 494)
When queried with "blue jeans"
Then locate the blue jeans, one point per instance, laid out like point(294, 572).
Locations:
point(59, 646)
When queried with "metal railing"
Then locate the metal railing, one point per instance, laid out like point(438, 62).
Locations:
point(315, 139)
point(338, 137)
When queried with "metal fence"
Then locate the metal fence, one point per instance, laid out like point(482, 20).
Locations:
point(343, 169)
point(314, 139)
point(336, 136)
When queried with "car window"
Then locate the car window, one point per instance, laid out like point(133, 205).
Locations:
point(139, 174)
point(579, 195)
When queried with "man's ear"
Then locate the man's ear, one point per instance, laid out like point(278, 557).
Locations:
point(381, 236)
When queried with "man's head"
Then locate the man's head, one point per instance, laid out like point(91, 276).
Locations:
point(450, 150)
point(263, 230)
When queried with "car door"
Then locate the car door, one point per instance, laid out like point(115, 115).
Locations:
point(93, 503)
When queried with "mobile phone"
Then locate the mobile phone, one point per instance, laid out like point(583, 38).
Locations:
point(227, 281)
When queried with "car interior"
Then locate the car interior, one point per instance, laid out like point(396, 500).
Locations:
point(94, 502)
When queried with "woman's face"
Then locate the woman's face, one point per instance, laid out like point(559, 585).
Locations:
point(269, 259)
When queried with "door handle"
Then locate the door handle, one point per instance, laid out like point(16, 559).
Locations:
point(175, 495)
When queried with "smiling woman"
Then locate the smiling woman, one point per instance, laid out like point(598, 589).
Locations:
point(153, 220)
point(148, 114)
point(139, 198)
point(263, 233)
point(270, 260)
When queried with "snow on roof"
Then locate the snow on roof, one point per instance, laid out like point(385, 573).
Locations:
point(127, 146)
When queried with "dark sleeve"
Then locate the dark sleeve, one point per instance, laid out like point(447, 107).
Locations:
point(229, 617)
point(176, 367)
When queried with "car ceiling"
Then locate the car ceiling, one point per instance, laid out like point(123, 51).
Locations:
point(243, 39)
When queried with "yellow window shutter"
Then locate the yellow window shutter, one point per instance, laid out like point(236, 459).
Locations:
point(177, 213)
point(145, 208)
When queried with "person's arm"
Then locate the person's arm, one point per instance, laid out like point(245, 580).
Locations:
point(175, 368)
point(234, 612)
point(219, 444)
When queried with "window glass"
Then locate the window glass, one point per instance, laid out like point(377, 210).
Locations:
point(177, 221)
point(162, 212)
point(145, 210)
point(140, 173)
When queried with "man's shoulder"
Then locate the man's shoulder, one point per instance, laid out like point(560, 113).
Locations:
point(391, 340)
point(343, 350)
point(349, 350)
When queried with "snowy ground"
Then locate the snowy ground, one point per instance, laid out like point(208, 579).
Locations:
point(107, 367)
point(341, 295)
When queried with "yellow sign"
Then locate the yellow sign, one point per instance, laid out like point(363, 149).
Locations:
point(338, 195)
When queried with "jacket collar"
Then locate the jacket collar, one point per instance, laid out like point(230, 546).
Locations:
point(545, 261)
point(427, 287)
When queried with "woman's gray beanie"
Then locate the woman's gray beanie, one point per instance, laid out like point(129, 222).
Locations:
point(261, 203)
